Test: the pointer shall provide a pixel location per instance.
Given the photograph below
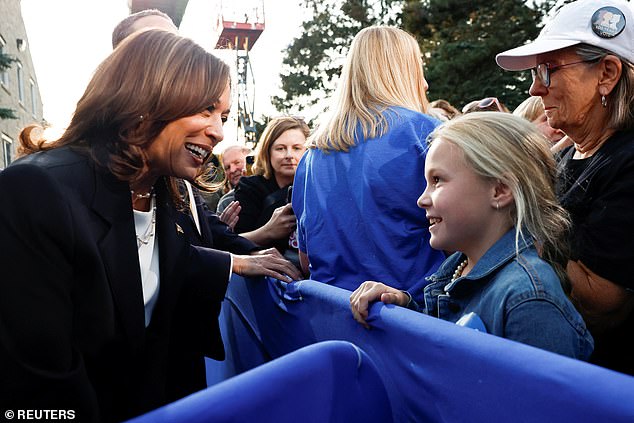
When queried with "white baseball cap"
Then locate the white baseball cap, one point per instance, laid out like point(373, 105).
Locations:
point(608, 24)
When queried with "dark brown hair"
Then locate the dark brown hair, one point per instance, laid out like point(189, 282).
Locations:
point(153, 78)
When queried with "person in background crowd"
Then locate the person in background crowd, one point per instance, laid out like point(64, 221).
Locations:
point(583, 69)
point(234, 162)
point(445, 109)
point(490, 197)
point(145, 19)
point(532, 110)
point(109, 299)
point(488, 104)
point(266, 217)
point(354, 193)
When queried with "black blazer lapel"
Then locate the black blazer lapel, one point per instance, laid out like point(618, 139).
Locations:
point(173, 237)
point(119, 254)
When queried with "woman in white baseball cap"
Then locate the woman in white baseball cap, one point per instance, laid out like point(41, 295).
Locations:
point(582, 67)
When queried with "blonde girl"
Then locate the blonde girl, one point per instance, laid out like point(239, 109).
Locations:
point(490, 198)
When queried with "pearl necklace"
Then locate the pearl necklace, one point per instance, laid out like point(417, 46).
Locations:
point(149, 231)
point(142, 196)
point(459, 270)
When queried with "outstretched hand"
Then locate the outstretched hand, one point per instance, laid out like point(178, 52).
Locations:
point(371, 291)
point(231, 214)
point(266, 263)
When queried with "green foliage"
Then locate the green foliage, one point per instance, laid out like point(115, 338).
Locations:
point(5, 63)
point(459, 39)
point(260, 125)
point(313, 60)
point(7, 113)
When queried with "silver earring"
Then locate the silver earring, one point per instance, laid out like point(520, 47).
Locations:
point(141, 117)
point(604, 101)
point(497, 205)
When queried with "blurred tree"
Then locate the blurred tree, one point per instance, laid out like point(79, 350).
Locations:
point(5, 63)
point(313, 60)
point(460, 40)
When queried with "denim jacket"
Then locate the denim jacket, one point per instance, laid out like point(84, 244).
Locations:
point(517, 297)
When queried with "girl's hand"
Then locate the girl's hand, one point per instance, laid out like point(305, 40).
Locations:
point(371, 291)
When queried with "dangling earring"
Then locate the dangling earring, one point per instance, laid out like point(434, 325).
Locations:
point(604, 101)
point(497, 205)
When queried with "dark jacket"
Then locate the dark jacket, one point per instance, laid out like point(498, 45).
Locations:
point(258, 198)
point(72, 333)
point(516, 294)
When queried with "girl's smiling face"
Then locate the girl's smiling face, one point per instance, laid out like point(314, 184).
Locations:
point(457, 201)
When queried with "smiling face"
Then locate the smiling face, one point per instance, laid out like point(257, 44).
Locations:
point(235, 164)
point(457, 201)
point(184, 144)
point(572, 99)
point(286, 151)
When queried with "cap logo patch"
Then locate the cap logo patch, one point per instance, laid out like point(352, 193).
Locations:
point(608, 22)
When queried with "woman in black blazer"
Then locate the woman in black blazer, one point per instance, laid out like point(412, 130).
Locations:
point(109, 296)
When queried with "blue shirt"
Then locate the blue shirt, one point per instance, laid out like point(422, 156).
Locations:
point(356, 211)
point(517, 297)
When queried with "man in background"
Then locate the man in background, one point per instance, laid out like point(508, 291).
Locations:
point(234, 162)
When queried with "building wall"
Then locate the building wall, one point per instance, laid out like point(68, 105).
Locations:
point(29, 108)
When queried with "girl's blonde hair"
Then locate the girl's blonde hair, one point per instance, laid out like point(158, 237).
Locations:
point(384, 68)
point(509, 149)
point(275, 128)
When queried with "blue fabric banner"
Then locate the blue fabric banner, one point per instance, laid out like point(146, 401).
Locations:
point(433, 371)
point(332, 381)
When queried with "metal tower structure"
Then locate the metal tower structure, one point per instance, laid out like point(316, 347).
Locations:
point(239, 27)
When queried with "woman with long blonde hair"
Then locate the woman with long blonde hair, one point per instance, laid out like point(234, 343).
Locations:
point(354, 192)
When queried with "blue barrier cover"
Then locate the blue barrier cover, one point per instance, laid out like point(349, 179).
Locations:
point(433, 370)
point(331, 381)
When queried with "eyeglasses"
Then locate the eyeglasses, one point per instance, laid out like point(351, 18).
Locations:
point(544, 70)
point(486, 104)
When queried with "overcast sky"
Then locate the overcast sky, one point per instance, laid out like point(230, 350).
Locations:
point(69, 38)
